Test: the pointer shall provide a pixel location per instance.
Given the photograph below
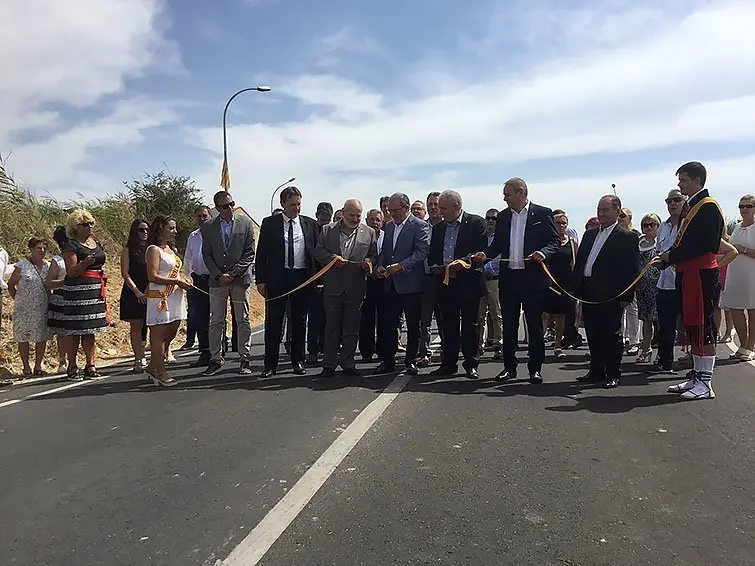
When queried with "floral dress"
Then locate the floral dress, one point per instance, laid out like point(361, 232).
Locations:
point(647, 288)
point(30, 304)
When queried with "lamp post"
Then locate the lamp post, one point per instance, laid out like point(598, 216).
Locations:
point(225, 179)
point(272, 197)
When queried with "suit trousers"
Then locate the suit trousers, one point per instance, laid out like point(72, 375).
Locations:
point(394, 304)
point(516, 294)
point(430, 306)
point(669, 306)
point(459, 307)
point(199, 311)
point(275, 313)
point(490, 313)
point(239, 294)
point(342, 317)
point(316, 324)
point(371, 316)
point(604, 334)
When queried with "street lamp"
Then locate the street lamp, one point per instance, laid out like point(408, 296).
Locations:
point(225, 179)
point(272, 197)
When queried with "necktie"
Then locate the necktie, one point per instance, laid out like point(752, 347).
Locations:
point(290, 244)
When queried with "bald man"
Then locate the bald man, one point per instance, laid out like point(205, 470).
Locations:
point(354, 244)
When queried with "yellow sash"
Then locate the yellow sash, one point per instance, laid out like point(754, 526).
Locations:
point(691, 214)
point(163, 295)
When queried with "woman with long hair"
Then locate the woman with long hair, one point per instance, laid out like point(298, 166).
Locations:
point(561, 264)
point(55, 279)
point(166, 299)
point(133, 299)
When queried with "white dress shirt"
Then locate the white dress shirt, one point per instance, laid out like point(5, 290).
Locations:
point(516, 237)
point(597, 245)
point(300, 254)
point(193, 258)
point(663, 243)
point(397, 231)
point(380, 241)
point(5, 266)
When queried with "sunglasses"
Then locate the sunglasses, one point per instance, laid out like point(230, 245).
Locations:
point(648, 224)
point(89, 224)
point(674, 200)
point(491, 218)
point(227, 206)
point(747, 206)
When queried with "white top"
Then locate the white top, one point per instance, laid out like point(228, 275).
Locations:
point(300, 254)
point(597, 246)
point(194, 260)
point(61, 266)
point(176, 301)
point(397, 231)
point(516, 237)
point(666, 236)
point(739, 290)
point(380, 241)
point(6, 268)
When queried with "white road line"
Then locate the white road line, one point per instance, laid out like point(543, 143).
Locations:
point(256, 544)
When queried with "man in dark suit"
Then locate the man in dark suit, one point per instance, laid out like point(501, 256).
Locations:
point(344, 286)
point(524, 236)
point(608, 260)
point(285, 259)
point(372, 307)
point(316, 316)
point(460, 235)
point(406, 244)
point(693, 255)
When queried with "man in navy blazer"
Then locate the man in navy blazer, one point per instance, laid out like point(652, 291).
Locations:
point(406, 243)
point(525, 236)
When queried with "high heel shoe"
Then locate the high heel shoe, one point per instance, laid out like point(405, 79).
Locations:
point(170, 382)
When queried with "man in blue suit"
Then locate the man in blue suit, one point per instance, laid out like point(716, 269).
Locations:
point(406, 243)
point(525, 236)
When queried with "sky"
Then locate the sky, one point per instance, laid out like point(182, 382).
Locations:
point(371, 98)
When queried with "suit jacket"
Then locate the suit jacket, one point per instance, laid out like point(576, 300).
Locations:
point(703, 235)
point(237, 258)
point(472, 238)
point(412, 247)
point(271, 253)
point(349, 279)
point(617, 264)
point(539, 235)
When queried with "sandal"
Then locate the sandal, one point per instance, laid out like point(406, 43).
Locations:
point(161, 381)
point(90, 372)
point(73, 373)
point(39, 373)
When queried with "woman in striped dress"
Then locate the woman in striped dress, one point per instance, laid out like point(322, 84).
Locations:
point(81, 309)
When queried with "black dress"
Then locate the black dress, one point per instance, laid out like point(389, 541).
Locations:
point(80, 307)
point(561, 265)
point(131, 308)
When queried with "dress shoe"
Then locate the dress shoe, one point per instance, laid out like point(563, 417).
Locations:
point(267, 372)
point(352, 372)
point(213, 367)
point(536, 378)
point(411, 369)
point(384, 368)
point(327, 372)
point(445, 371)
point(202, 361)
point(612, 383)
point(505, 375)
point(312, 359)
point(298, 368)
point(472, 373)
point(590, 377)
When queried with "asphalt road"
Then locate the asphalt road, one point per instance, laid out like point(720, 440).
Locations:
point(118, 472)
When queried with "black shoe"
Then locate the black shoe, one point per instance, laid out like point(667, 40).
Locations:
point(472, 373)
point(352, 372)
point(202, 361)
point(245, 369)
point(312, 359)
point(384, 368)
point(612, 383)
point(267, 372)
point(505, 375)
point(411, 369)
point(366, 359)
point(213, 367)
point(658, 368)
point(187, 347)
point(298, 368)
point(536, 378)
point(445, 371)
point(327, 372)
point(590, 377)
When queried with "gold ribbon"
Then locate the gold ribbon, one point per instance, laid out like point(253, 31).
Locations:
point(463, 262)
point(327, 267)
point(163, 295)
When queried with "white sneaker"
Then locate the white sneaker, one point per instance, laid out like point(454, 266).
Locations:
point(702, 390)
point(559, 353)
point(745, 355)
point(685, 385)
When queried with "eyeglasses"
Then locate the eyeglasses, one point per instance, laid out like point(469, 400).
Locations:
point(145, 230)
point(89, 224)
point(622, 215)
point(674, 200)
point(747, 206)
point(491, 218)
point(648, 224)
point(227, 206)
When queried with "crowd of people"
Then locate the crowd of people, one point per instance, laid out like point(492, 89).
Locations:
point(338, 284)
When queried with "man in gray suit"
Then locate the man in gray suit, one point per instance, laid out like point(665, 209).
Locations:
point(406, 244)
point(228, 252)
point(345, 285)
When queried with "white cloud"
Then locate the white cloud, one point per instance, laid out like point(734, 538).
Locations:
point(74, 54)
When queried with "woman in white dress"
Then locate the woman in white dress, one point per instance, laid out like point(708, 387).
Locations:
point(739, 291)
point(30, 299)
point(55, 279)
point(166, 299)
